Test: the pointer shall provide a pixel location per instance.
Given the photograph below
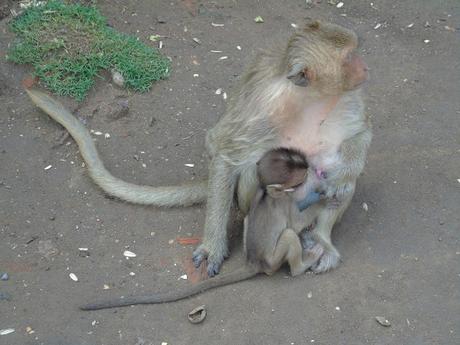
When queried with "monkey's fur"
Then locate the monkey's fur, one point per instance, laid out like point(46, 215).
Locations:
point(303, 95)
point(270, 232)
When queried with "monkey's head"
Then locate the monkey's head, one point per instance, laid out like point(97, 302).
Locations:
point(282, 170)
point(323, 57)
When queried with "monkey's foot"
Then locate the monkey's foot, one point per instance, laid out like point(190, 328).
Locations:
point(327, 262)
point(214, 261)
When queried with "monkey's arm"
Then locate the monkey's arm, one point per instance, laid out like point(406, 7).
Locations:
point(222, 180)
point(184, 195)
point(243, 273)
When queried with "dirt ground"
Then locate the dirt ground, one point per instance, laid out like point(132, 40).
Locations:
point(400, 258)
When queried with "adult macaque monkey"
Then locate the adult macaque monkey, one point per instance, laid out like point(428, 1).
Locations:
point(271, 230)
point(304, 95)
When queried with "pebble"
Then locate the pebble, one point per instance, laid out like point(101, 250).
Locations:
point(129, 254)
point(340, 5)
point(184, 277)
point(73, 276)
point(29, 330)
point(118, 79)
point(48, 167)
point(383, 321)
point(365, 207)
point(6, 331)
point(4, 276)
point(189, 165)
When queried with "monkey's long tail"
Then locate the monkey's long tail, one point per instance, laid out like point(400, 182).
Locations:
point(243, 273)
point(184, 195)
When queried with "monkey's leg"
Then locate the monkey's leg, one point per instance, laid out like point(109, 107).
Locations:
point(220, 187)
point(327, 217)
point(289, 248)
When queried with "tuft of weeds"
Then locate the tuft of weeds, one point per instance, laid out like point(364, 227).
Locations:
point(69, 44)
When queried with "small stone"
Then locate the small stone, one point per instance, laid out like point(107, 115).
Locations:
point(218, 91)
point(190, 165)
point(118, 79)
point(129, 254)
point(161, 20)
point(132, 274)
point(196, 40)
point(337, 308)
point(365, 207)
point(340, 5)
point(258, 19)
point(4, 276)
point(309, 294)
point(83, 252)
point(383, 321)
point(106, 287)
point(73, 276)
point(426, 41)
point(6, 331)
point(171, 241)
point(48, 167)
point(184, 277)
point(29, 330)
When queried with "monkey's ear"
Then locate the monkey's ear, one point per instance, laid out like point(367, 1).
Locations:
point(298, 75)
point(275, 190)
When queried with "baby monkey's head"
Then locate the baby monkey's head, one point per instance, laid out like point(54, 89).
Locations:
point(282, 170)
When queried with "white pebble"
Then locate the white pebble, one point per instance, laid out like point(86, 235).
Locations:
point(218, 91)
point(73, 277)
point(107, 135)
point(196, 75)
point(217, 25)
point(295, 26)
point(410, 25)
point(132, 274)
point(340, 5)
point(48, 167)
point(309, 294)
point(458, 180)
point(238, 47)
point(106, 287)
point(6, 331)
point(426, 41)
point(223, 58)
point(377, 26)
point(224, 95)
point(337, 308)
point(189, 165)
point(160, 45)
point(216, 51)
point(97, 133)
point(184, 277)
point(129, 254)
point(365, 207)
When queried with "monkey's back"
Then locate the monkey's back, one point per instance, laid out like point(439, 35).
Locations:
point(268, 217)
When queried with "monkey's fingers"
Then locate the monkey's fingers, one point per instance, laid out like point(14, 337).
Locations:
point(199, 255)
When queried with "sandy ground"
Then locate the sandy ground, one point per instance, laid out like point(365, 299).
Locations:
point(400, 258)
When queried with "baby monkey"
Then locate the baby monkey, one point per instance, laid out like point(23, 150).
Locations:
point(271, 229)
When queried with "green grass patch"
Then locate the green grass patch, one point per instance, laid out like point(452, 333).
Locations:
point(69, 44)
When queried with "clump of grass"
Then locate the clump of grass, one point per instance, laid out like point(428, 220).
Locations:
point(69, 44)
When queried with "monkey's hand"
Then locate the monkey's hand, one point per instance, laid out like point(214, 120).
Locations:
point(214, 261)
point(341, 192)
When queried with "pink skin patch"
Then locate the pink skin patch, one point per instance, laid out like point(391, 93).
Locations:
point(321, 174)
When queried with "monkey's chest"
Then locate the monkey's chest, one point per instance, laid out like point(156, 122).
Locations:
point(313, 136)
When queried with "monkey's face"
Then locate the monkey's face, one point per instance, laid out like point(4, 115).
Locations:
point(323, 58)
